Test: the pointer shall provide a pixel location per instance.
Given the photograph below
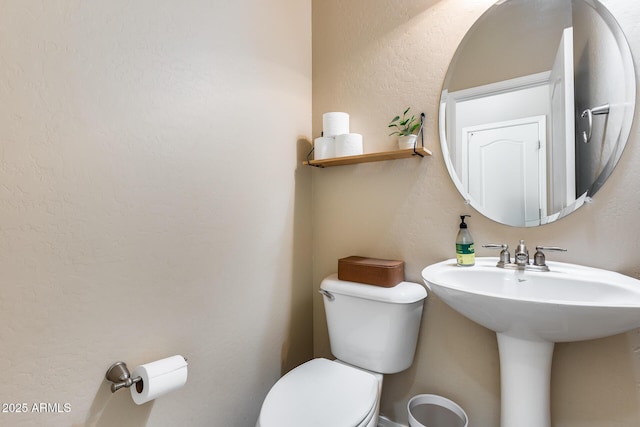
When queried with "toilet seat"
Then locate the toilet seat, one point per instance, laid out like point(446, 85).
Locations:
point(321, 393)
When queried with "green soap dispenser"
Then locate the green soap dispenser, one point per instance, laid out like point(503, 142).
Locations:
point(465, 253)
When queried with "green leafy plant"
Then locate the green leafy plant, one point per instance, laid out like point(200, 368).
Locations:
point(404, 125)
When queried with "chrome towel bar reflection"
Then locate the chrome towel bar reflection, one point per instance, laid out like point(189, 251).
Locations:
point(589, 113)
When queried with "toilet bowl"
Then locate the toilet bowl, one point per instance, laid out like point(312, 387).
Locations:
point(322, 393)
point(372, 331)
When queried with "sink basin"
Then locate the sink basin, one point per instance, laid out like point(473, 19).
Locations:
point(568, 303)
point(530, 311)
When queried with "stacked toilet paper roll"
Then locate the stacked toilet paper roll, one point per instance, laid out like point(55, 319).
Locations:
point(336, 140)
point(349, 144)
point(324, 147)
point(335, 123)
point(158, 378)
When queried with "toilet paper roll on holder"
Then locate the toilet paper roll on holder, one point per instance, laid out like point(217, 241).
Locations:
point(118, 374)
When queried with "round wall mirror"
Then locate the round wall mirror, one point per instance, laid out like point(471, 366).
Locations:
point(536, 108)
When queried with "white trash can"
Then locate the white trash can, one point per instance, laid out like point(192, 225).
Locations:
point(430, 410)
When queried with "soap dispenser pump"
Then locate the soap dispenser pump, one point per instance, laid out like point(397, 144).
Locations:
point(465, 252)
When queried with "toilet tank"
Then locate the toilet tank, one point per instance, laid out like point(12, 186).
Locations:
point(373, 327)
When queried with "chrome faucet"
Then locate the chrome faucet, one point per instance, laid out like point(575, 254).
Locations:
point(521, 256)
point(521, 260)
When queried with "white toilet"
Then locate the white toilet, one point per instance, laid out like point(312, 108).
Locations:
point(372, 331)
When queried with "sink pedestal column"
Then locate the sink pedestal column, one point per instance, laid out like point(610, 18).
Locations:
point(525, 379)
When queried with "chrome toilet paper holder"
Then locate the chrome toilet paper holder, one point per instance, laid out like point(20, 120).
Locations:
point(118, 374)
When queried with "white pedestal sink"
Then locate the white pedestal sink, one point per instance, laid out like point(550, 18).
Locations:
point(530, 311)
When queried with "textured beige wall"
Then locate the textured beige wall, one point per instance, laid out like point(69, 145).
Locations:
point(372, 59)
point(153, 202)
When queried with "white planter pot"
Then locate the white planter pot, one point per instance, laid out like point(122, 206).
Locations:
point(407, 141)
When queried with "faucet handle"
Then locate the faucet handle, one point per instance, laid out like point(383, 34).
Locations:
point(496, 246)
point(505, 257)
point(550, 248)
point(539, 258)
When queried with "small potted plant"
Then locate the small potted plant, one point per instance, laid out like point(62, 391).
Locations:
point(405, 127)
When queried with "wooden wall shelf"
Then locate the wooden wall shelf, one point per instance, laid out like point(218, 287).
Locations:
point(369, 157)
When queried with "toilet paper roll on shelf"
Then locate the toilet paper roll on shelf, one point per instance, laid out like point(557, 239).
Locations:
point(335, 123)
point(158, 378)
point(324, 148)
point(349, 144)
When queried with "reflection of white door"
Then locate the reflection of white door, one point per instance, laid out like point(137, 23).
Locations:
point(562, 170)
point(505, 169)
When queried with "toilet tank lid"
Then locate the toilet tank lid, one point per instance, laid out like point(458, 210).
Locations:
point(402, 293)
